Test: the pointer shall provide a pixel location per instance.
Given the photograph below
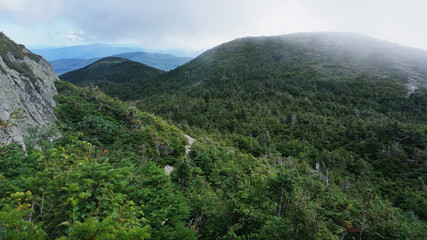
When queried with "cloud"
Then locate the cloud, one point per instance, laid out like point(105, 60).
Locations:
point(78, 36)
point(74, 38)
point(196, 24)
point(30, 11)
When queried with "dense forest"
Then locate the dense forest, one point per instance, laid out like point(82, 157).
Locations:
point(118, 77)
point(307, 136)
point(101, 180)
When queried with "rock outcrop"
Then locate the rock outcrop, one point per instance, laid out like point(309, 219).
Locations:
point(26, 92)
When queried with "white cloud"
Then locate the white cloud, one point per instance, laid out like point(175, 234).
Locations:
point(74, 37)
point(197, 24)
point(32, 10)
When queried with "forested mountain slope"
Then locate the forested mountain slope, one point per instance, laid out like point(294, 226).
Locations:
point(328, 98)
point(102, 180)
point(160, 61)
point(305, 55)
point(115, 76)
point(329, 90)
point(163, 62)
point(352, 106)
point(97, 173)
point(302, 136)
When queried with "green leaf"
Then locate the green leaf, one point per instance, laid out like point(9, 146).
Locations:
point(74, 187)
point(2, 231)
point(90, 205)
point(115, 215)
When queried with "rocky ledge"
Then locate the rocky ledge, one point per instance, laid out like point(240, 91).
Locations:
point(26, 92)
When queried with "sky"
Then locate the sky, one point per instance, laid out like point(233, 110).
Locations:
point(195, 25)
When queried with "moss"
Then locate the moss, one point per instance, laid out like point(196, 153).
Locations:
point(34, 57)
point(17, 51)
point(21, 68)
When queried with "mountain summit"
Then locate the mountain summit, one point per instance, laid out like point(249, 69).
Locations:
point(329, 55)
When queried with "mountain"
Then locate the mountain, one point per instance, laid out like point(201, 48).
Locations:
point(66, 59)
point(327, 90)
point(26, 92)
point(85, 52)
point(92, 166)
point(329, 54)
point(322, 97)
point(62, 66)
point(343, 110)
point(305, 65)
point(181, 52)
point(160, 61)
point(115, 76)
point(163, 62)
point(301, 136)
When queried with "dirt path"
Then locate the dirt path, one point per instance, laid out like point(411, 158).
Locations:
point(188, 146)
point(168, 169)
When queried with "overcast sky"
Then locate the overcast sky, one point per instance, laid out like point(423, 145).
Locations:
point(202, 24)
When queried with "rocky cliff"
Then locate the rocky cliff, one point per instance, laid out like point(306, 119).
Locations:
point(26, 92)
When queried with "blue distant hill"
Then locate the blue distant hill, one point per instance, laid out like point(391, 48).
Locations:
point(160, 61)
point(67, 59)
point(84, 52)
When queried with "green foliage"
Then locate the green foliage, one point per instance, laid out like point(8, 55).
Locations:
point(18, 52)
point(10, 123)
point(97, 182)
point(293, 141)
point(294, 102)
point(107, 229)
point(119, 127)
point(118, 77)
point(15, 168)
point(13, 225)
point(166, 210)
point(73, 192)
point(277, 95)
point(80, 186)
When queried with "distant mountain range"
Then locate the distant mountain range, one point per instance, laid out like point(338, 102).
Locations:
point(84, 52)
point(161, 61)
point(62, 66)
point(67, 59)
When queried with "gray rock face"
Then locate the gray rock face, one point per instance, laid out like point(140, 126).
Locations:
point(30, 99)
